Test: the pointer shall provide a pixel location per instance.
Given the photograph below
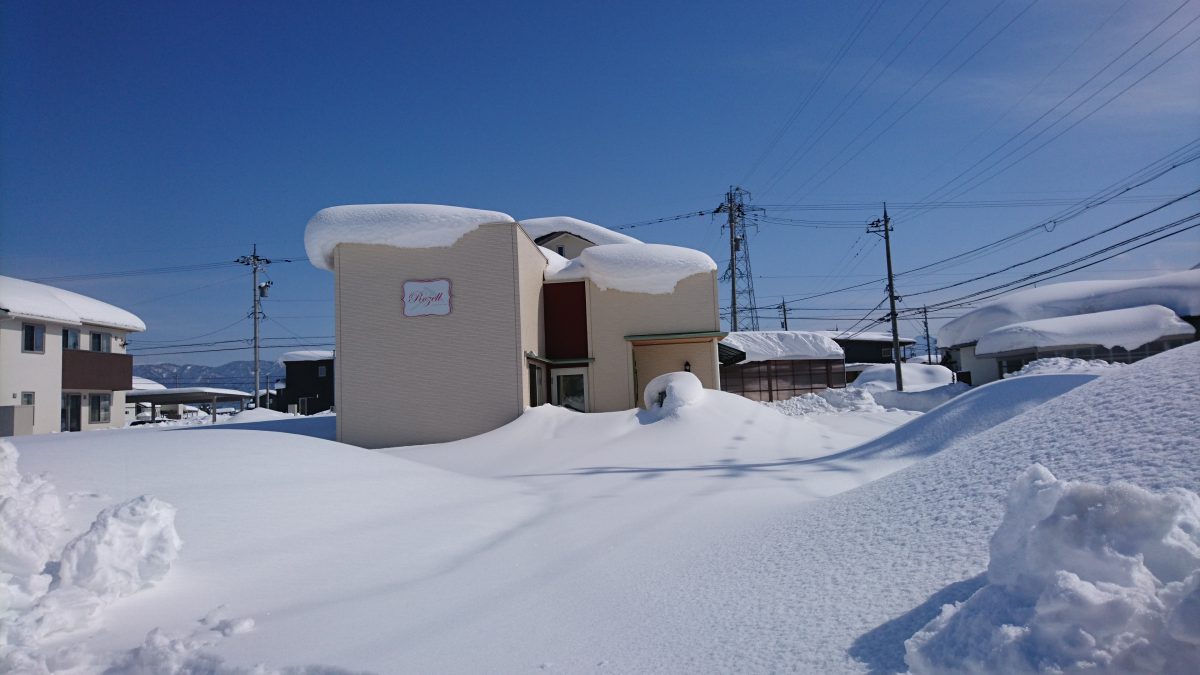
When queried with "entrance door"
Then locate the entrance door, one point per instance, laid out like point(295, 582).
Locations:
point(72, 410)
point(568, 388)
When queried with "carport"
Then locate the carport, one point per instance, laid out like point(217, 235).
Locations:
point(187, 395)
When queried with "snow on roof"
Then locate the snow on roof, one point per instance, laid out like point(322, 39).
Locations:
point(1128, 328)
point(771, 345)
point(540, 227)
point(145, 384)
point(400, 225)
point(635, 268)
point(31, 300)
point(307, 355)
point(866, 336)
point(1178, 291)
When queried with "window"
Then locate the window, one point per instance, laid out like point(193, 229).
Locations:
point(568, 388)
point(537, 388)
point(101, 342)
point(27, 398)
point(70, 338)
point(99, 408)
point(321, 371)
point(33, 338)
point(561, 250)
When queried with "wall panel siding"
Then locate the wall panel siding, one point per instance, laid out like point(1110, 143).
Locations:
point(531, 266)
point(407, 380)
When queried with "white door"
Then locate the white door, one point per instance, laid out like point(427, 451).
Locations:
point(568, 388)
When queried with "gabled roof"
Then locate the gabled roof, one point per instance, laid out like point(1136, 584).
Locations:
point(31, 300)
point(545, 229)
point(1126, 328)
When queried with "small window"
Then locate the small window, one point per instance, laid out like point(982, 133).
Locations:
point(99, 408)
point(70, 338)
point(321, 372)
point(27, 398)
point(101, 342)
point(561, 251)
point(33, 338)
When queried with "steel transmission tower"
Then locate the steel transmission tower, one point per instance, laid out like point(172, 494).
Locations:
point(743, 310)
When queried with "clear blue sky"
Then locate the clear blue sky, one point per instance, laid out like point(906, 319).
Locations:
point(142, 134)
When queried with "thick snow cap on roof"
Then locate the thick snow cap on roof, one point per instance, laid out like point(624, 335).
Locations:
point(145, 384)
point(1178, 292)
point(540, 227)
point(38, 301)
point(1127, 328)
point(399, 225)
point(771, 345)
point(865, 336)
point(307, 355)
point(635, 268)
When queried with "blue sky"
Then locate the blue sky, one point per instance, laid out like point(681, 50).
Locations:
point(143, 135)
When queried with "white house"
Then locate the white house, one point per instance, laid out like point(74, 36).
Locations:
point(63, 365)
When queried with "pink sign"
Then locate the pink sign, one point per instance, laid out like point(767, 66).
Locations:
point(427, 297)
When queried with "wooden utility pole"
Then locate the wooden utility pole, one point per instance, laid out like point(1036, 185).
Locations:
point(928, 341)
point(884, 226)
point(783, 308)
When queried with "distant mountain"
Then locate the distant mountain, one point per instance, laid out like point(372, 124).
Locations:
point(233, 375)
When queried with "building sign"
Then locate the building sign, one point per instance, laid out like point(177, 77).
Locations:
point(427, 297)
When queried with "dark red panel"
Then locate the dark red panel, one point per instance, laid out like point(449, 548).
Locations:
point(565, 307)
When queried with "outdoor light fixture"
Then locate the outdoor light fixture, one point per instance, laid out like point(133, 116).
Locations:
point(687, 366)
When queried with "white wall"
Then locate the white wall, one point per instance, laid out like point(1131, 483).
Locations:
point(39, 373)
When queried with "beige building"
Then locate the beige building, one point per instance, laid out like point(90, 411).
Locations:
point(63, 365)
point(451, 322)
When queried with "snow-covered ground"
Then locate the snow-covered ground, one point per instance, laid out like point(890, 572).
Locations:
point(713, 536)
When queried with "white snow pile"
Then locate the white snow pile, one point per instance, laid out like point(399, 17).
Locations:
point(635, 268)
point(1127, 328)
point(1082, 577)
point(827, 401)
point(769, 345)
point(399, 225)
point(669, 392)
point(917, 376)
point(307, 355)
point(1062, 364)
point(1178, 292)
point(128, 547)
point(919, 399)
point(597, 234)
point(38, 301)
point(555, 263)
point(259, 414)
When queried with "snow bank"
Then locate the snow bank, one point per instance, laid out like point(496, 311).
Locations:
point(769, 345)
point(400, 225)
point(129, 547)
point(922, 400)
point(916, 376)
point(1127, 328)
point(259, 414)
point(669, 392)
point(1082, 577)
point(38, 301)
point(1061, 364)
point(1179, 292)
point(635, 268)
point(540, 227)
point(307, 355)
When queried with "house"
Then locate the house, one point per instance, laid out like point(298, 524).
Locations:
point(1119, 321)
point(309, 379)
point(452, 321)
point(568, 236)
point(63, 365)
point(864, 348)
point(777, 365)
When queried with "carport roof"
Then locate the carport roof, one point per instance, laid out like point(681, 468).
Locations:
point(185, 395)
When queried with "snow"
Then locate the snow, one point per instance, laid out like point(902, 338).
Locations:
point(770, 345)
point(1082, 577)
point(866, 336)
point(307, 355)
point(145, 384)
point(259, 414)
point(555, 263)
point(199, 392)
point(29, 300)
point(399, 225)
point(540, 227)
point(1178, 291)
point(917, 376)
point(1127, 328)
point(667, 393)
point(1060, 364)
point(635, 268)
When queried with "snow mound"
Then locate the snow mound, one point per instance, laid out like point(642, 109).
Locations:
point(38, 301)
point(597, 234)
point(30, 519)
point(307, 355)
point(635, 268)
point(669, 392)
point(1082, 577)
point(1127, 328)
point(1178, 291)
point(400, 225)
point(922, 400)
point(256, 415)
point(1061, 364)
point(916, 376)
point(129, 547)
point(769, 345)
point(802, 406)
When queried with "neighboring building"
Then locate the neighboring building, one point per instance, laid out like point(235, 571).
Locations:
point(452, 321)
point(1119, 321)
point(777, 365)
point(864, 348)
point(568, 236)
point(63, 365)
point(309, 379)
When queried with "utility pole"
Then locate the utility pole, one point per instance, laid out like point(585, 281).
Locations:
point(257, 263)
point(739, 261)
point(884, 225)
point(928, 342)
point(783, 308)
